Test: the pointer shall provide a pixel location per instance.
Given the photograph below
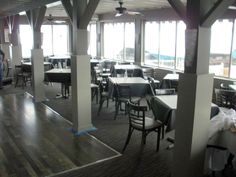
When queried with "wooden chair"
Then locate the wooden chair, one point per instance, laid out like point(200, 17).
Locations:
point(24, 74)
point(160, 112)
point(138, 121)
point(123, 96)
point(104, 95)
point(94, 91)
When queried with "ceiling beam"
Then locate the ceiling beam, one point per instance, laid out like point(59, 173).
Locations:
point(88, 14)
point(40, 17)
point(68, 8)
point(179, 7)
point(13, 23)
point(36, 17)
point(216, 11)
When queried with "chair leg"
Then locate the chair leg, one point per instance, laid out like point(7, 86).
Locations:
point(163, 131)
point(128, 138)
point(100, 105)
point(17, 79)
point(143, 141)
point(117, 109)
point(158, 138)
point(96, 92)
point(107, 102)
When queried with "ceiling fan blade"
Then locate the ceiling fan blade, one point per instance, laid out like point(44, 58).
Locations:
point(118, 14)
point(133, 13)
point(232, 7)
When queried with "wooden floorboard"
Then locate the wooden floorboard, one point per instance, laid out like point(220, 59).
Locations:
point(35, 141)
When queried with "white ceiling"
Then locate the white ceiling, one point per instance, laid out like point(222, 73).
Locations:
point(107, 6)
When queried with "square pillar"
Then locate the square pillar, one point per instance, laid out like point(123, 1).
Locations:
point(38, 74)
point(81, 93)
point(192, 124)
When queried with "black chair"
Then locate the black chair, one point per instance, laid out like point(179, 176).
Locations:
point(138, 121)
point(123, 96)
point(104, 95)
point(94, 91)
point(155, 84)
point(138, 73)
point(224, 86)
point(225, 98)
point(23, 73)
point(160, 112)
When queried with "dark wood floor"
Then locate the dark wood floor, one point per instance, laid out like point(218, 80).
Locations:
point(35, 141)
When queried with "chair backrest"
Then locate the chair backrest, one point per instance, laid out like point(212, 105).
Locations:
point(120, 72)
point(170, 91)
point(138, 73)
point(225, 98)
point(224, 86)
point(123, 91)
point(152, 83)
point(136, 115)
point(160, 111)
point(103, 86)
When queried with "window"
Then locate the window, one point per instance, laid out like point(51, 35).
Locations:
point(92, 49)
point(151, 43)
point(54, 40)
point(167, 44)
point(121, 37)
point(47, 43)
point(180, 45)
point(233, 56)
point(129, 41)
point(220, 47)
point(26, 38)
point(60, 39)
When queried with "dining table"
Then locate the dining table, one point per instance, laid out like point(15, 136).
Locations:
point(232, 86)
point(60, 61)
point(139, 86)
point(60, 75)
point(128, 68)
point(170, 81)
point(27, 66)
point(221, 143)
point(170, 106)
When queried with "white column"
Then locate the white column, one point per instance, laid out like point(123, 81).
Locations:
point(38, 74)
point(81, 90)
point(81, 93)
point(194, 106)
point(193, 117)
point(16, 55)
point(138, 54)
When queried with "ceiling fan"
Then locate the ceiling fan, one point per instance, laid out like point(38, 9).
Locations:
point(50, 19)
point(122, 10)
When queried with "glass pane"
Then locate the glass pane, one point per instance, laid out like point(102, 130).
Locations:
point(108, 42)
point(26, 38)
point(117, 41)
point(151, 43)
point(167, 44)
point(47, 31)
point(233, 62)
point(60, 39)
point(92, 50)
point(220, 47)
point(129, 41)
point(180, 45)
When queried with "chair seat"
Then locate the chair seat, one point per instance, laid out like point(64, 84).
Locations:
point(93, 85)
point(150, 124)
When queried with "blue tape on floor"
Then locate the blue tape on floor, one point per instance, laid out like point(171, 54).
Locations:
point(79, 133)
